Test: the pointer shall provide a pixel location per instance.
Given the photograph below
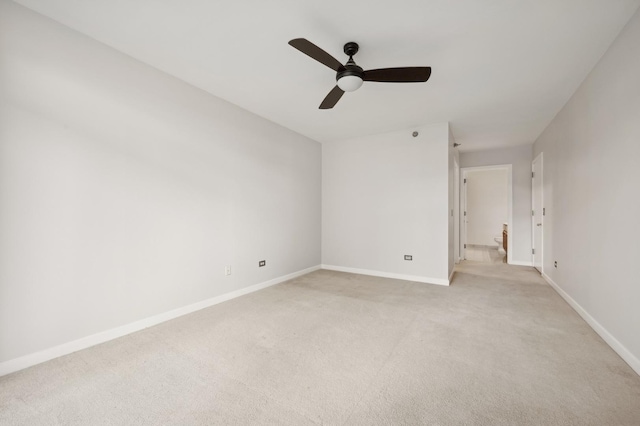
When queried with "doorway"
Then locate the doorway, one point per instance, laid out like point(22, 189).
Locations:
point(537, 214)
point(486, 212)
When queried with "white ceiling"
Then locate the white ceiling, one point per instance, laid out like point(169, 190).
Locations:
point(502, 69)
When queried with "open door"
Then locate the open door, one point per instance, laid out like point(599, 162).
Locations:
point(537, 213)
point(463, 219)
point(456, 211)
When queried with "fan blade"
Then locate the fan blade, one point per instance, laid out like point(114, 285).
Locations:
point(399, 75)
point(332, 98)
point(313, 51)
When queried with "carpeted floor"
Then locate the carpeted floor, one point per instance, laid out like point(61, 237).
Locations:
point(498, 347)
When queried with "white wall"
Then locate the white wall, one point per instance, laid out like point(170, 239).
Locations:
point(591, 176)
point(124, 192)
point(487, 205)
point(520, 158)
point(384, 196)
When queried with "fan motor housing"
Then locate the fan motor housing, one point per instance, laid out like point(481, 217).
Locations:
point(350, 69)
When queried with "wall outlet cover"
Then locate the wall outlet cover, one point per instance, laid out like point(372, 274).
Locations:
point(262, 263)
point(408, 257)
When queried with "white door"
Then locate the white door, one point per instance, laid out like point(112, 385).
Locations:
point(537, 212)
point(463, 218)
point(456, 210)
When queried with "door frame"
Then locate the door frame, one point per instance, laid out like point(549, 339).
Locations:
point(456, 211)
point(463, 205)
point(533, 207)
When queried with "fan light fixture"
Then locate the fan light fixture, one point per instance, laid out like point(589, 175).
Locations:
point(350, 83)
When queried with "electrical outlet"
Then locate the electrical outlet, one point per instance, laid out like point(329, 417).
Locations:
point(227, 270)
point(408, 257)
point(262, 263)
point(555, 264)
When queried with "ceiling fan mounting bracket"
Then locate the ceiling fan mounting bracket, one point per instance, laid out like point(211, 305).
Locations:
point(351, 48)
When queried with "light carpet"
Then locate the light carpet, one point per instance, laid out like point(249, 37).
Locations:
point(497, 347)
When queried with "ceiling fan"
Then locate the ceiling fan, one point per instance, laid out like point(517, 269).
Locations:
point(350, 76)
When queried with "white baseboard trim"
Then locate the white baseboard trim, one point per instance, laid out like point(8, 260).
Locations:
point(453, 271)
point(520, 263)
point(420, 279)
point(618, 347)
point(29, 360)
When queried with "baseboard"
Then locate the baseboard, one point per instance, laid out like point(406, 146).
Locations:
point(420, 279)
point(520, 263)
point(453, 271)
point(26, 361)
point(618, 347)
